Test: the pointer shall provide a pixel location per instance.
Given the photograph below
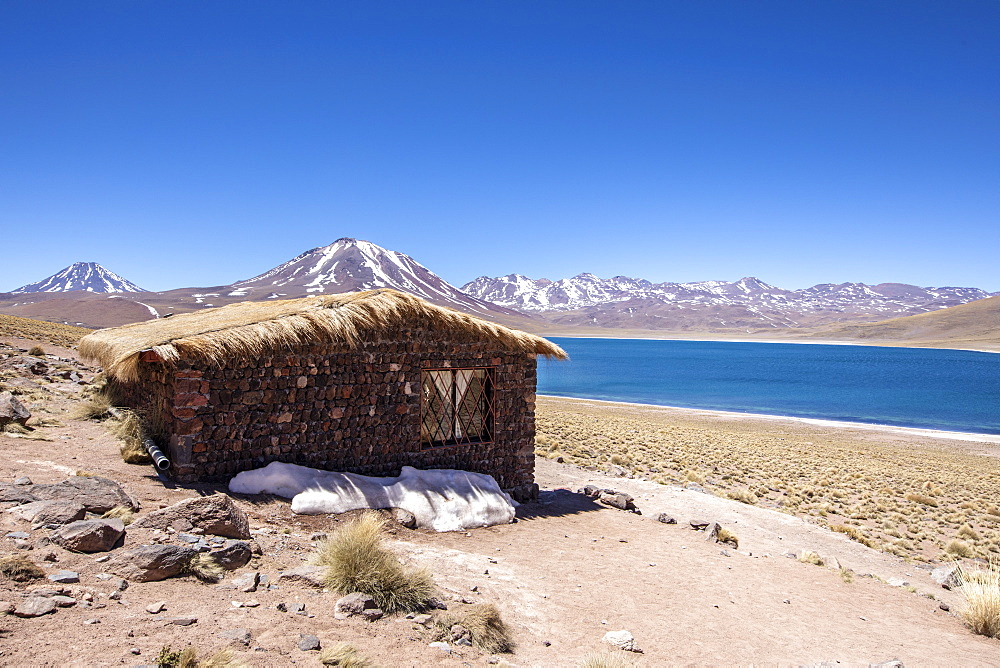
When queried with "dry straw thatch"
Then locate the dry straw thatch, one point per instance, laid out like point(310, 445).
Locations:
point(252, 329)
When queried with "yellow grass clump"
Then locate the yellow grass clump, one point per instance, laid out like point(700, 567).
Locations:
point(981, 589)
point(19, 568)
point(606, 660)
point(355, 559)
point(344, 655)
point(250, 329)
point(487, 630)
point(66, 336)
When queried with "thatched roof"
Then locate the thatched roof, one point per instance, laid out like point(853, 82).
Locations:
point(251, 329)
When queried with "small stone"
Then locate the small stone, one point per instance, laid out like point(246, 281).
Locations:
point(353, 604)
point(251, 603)
point(18, 535)
point(156, 608)
point(443, 646)
point(308, 642)
point(298, 608)
point(898, 582)
point(944, 606)
point(787, 601)
point(699, 525)
point(307, 575)
point(92, 621)
point(65, 577)
point(64, 601)
point(423, 619)
point(281, 607)
point(404, 518)
point(115, 596)
point(665, 519)
point(891, 663)
point(136, 651)
point(240, 636)
point(22, 481)
point(183, 621)
point(317, 535)
point(948, 576)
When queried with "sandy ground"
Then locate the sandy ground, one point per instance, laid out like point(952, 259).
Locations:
point(568, 571)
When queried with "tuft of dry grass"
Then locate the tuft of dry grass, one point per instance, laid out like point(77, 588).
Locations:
point(743, 496)
point(344, 655)
point(922, 498)
point(487, 629)
point(19, 568)
point(959, 548)
point(355, 559)
point(95, 407)
point(128, 428)
point(810, 557)
point(606, 660)
point(728, 537)
point(66, 336)
point(854, 534)
point(981, 589)
point(204, 567)
point(123, 513)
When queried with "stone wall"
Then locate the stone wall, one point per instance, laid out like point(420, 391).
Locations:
point(341, 409)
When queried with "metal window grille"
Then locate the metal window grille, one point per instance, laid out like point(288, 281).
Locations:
point(456, 406)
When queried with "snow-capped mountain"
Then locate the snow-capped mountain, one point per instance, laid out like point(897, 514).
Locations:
point(351, 264)
point(88, 276)
point(629, 302)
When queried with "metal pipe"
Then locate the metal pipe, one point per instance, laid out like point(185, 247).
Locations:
point(159, 459)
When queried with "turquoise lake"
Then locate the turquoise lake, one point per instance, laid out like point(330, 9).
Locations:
point(953, 390)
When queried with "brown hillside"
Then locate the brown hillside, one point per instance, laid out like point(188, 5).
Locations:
point(50, 332)
point(976, 324)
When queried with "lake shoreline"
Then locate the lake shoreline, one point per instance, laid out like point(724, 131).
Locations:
point(838, 424)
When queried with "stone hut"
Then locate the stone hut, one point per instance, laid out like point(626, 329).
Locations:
point(364, 382)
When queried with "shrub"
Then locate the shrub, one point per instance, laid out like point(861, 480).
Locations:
point(123, 513)
point(354, 559)
point(968, 532)
point(204, 567)
point(922, 498)
point(20, 568)
point(344, 655)
point(743, 496)
point(605, 660)
point(129, 430)
point(854, 534)
point(810, 557)
point(728, 537)
point(981, 589)
point(36, 351)
point(959, 548)
point(94, 408)
point(486, 628)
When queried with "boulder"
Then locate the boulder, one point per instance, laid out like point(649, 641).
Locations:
point(404, 518)
point(948, 576)
point(65, 577)
point(356, 604)
point(665, 518)
point(150, 563)
point(96, 494)
point(41, 513)
point(307, 575)
point(239, 636)
point(216, 515)
point(621, 640)
point(235, 554)
point(12, 410)
point(619, 500)
point(15, 494)
point(89, 535)
point(308, 642)
point(35, 606)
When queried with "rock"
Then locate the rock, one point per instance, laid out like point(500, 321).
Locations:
point(712, 532)
point(64, 601)
point(422, 619)
point(19, 494)
point(459, 633)
point(246, 583)
point(22, 481)
point(616, 471)
point(898, 582)
point(593, 491)
point(183, 621)
point(235, 554)
point(354, 604)
point(12, 410)
point(42, 513)
point(619, 500)
point(65, 577)
point(96, 494)
point(307, 575)
point(891, 663)
point(308, 642)
point(699, 525)
point(666, 519)
point(150, 563)
point(18, 535)
point(118, 583)
point(239, 636)
point(156, 608)
point(944, 606)
point(35, 606)
point(948, 576)
point(89, 535)
point(216, 515)
point(443, 646)
point(91, 621)
point(404, 518)
point(621, 640)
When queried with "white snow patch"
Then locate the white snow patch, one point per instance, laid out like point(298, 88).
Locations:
point(440, 499)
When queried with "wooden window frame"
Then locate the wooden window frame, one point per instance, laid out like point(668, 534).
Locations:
point(448, 412)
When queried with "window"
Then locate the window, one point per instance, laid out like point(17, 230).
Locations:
point(456, 406)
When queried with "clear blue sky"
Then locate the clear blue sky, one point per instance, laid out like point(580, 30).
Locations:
point(198, 143)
